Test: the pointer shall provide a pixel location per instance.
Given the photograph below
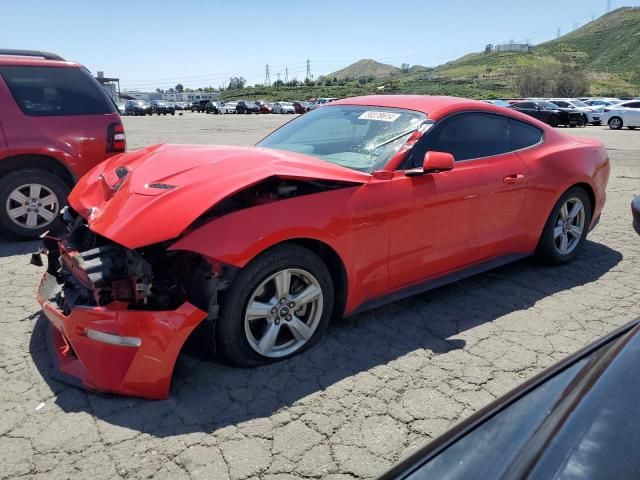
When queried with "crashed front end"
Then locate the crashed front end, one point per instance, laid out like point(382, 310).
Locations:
point(119, 316)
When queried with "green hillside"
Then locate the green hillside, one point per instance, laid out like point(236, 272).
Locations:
point(365, 68)
point(607, 50)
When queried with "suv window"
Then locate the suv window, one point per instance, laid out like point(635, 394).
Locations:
point(471, 135)
point(527, 105)
point(523, 135)
point(56, 91)
point(562, 104)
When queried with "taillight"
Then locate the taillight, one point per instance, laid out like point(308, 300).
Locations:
point(607, 110)
point(116, 139)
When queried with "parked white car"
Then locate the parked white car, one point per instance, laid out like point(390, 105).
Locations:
point(625, 114)
point(592, 114)
point(283, 107)
point(227, 107)
point(320, 101)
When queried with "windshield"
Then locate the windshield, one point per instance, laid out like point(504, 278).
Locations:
point(358, 137)
point(579, 103)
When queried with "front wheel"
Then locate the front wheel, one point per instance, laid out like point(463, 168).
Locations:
point(553, 121)
point(277, 307)
point(566, 229)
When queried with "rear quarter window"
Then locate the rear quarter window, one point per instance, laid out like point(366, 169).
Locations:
point(56, 91)
point(523, 135)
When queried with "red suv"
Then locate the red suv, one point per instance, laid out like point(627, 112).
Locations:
point(56, 123)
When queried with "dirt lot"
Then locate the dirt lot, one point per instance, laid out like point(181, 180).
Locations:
point(378, 386)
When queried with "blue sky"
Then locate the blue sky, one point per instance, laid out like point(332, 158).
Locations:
point(198, 43)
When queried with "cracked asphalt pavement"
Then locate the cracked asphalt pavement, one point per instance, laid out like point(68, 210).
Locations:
point(378, 386)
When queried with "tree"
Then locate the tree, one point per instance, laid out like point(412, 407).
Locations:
point(488, 48)
point(570, 83)
point(236, 83)
point(405, 68)
point(533, 82)
point(278, 83)
point(179, 88)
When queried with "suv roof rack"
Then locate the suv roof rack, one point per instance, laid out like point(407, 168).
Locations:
point(30, 53)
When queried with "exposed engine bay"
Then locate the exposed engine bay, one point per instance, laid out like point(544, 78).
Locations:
point(94, 271)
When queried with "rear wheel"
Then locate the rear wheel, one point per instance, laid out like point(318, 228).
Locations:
point(277, 306)
point(30, 201)
point(566, 229)
point(615, 123)
point(553, 121)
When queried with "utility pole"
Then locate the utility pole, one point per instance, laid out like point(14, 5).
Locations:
point(267, 77)
point(308, 68)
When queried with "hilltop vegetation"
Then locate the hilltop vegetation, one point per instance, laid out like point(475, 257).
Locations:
point(606, 51)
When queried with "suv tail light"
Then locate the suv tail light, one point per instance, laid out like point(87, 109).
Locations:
point(116, 139)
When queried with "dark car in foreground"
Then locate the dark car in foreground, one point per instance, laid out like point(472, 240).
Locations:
point(635, 210)
point(576, 420)
point(550, 113)
point(160, 107)
point(56, 124)
point(247, 107)
point(137, 107)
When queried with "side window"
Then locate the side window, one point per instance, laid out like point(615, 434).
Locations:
point(633, 105)
point(523, 135)
point(471, 135)
point(54, 91)
point(526, 105)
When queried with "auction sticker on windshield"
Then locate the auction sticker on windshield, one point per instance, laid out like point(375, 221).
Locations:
point(380, 116)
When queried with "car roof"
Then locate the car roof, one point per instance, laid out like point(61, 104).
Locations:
point(23, 61)
point(433, 106)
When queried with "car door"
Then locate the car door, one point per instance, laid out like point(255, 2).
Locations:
point(632, 114)
point(442, 222)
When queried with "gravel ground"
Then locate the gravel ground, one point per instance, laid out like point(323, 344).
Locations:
point(378, 386)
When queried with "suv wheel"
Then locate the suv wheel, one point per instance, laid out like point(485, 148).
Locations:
point(30, 201)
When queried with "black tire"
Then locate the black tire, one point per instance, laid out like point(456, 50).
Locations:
point(12, 181)
point(231, 341)
point(173, 113)
point(553, 121)
point(546, 251)
point(615, 123)
point(631, 128)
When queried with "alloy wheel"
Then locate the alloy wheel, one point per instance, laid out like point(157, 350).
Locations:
point(615, 123)
point(32, 206)
point(570, 226)
point(283, 313)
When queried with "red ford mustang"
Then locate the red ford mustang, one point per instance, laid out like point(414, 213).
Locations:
point(358, 203)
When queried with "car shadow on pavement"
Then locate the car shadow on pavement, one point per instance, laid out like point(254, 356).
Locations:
point(207, 396)
point(9, 248)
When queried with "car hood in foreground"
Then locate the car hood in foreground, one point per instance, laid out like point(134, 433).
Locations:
point(154, 194)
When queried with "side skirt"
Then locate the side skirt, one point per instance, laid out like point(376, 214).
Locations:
point(437, 282)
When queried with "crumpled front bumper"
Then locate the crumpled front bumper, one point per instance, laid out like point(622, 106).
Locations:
point(142, 368)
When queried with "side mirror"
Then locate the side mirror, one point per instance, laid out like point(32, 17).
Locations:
point(434, 162)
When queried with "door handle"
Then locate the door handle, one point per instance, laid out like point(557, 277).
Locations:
point(515, 178)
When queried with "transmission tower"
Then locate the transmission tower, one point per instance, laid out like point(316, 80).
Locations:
point(308, 68)
point(286, 74)
point(608, 6)
point(558, 34)
point(278, 77)
point(267, 77)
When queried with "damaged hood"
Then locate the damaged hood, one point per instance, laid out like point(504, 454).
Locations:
point(154, 194)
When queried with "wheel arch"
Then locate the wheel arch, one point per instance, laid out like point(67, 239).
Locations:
point(43, 162)
point(590, 193)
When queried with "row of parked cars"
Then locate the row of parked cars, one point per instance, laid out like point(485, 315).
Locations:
point(160, 107)
point(578, 112)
